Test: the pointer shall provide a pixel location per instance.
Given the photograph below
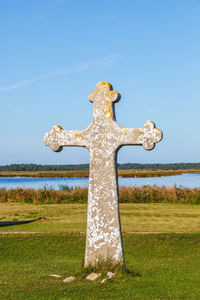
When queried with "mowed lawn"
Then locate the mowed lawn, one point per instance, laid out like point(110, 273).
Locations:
point(62, 218)
point(163, 264)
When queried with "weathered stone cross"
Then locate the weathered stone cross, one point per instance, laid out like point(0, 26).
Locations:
point(103, 138)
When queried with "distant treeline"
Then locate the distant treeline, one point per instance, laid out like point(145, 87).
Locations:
point(35, 167)
point(127, 166)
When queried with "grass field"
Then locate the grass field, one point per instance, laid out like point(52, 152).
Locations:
point(163, 264)
point(60, 218)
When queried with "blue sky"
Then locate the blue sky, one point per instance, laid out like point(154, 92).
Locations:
point(53, 52)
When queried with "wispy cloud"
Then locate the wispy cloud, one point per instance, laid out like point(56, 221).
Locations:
point(105, 62)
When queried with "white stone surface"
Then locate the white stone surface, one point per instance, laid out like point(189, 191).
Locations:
point(109, 276)
point(93, 276)
point(69, 279)
point(55, 275)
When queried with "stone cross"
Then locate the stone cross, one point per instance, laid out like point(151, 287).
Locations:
point(103, 138)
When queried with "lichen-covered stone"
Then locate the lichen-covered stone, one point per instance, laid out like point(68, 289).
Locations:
point(103, 138)
point(69, 279)
point(109, 276)
point(93, 276)
point(55, 275)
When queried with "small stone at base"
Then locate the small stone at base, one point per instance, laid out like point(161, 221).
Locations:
point(69, 279)
point(93, 276)
point(55, 275)
point(110, 275)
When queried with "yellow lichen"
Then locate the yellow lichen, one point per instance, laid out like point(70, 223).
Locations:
point(125, 131)
point(105, 137)
point(78, 135)
point(107, 109)
point(54, 129)
point(60, 128)
point(91, 94)
point(111, 94)
point(105, 84)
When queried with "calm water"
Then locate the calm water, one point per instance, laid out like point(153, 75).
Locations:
point(186, 180)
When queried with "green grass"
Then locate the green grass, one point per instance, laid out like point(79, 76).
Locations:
point(61, 218)
point(161, 266)
point(167, 267)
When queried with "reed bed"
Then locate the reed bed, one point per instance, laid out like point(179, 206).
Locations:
point(85, 173)
point(148, 173)
point(46, 174)
point(145, 194)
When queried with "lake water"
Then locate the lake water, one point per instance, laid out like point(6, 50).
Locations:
point(185, 180)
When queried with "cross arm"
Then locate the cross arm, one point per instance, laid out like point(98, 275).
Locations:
point(57, 138)
point(146, 136)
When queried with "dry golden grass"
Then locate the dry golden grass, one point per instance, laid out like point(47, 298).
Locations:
point(144, 194)
point(47, 174)
point(85, 173)
point(179, 218)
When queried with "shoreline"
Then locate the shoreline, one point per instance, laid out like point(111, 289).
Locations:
point(85, 173)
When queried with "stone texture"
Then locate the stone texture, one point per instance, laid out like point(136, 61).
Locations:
point(93, 276)
point(109, 276)
point(55, 275)
point(103, 138)
point(69, 279)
